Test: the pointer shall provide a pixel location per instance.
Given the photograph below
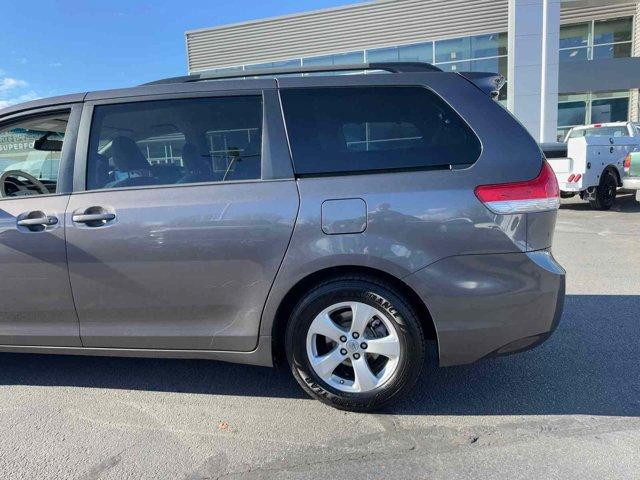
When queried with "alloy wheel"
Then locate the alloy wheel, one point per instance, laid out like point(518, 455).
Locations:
point(353, 347)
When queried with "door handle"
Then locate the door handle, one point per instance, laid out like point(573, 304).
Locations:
point(32, 222)
point(36, 221)
point(93, 217)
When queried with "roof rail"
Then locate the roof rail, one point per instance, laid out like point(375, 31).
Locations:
point(391, 67)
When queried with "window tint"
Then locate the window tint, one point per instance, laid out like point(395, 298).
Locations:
point(175, 142)
point(30, 153)
point(351, 129)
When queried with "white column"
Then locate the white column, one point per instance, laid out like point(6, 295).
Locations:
point(635, 97)
point(534, 36)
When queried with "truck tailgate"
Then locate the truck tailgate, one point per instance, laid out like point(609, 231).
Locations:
point(560, 165)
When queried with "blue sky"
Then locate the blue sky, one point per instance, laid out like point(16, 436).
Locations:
point(52, 47)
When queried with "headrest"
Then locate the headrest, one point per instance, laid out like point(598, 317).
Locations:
point(127, 156)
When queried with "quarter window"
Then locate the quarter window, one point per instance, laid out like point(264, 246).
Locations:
point(352, 129)
point(175, 142)
point(30, 153)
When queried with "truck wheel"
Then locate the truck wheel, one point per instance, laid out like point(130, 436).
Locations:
point(605, 194)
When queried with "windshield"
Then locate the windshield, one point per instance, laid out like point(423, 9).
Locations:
point(609, 132)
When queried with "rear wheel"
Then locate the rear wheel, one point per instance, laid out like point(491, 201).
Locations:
point(354, 344)
point(605, 193)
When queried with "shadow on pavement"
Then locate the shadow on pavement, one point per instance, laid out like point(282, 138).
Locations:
point(590, 366)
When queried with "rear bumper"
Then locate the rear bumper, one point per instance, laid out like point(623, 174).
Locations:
point(571, 187)
point(631, 183)
point(486, 305)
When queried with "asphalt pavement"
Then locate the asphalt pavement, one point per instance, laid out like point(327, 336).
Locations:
point(569, 409)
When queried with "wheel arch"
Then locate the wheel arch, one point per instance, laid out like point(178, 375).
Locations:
point(290, 299)
point(616, 173)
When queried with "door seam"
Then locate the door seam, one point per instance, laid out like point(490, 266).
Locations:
point(284, 256)
point(66, 255)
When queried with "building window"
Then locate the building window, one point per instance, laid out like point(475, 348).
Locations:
point(336, 59)
point(610, 107)
point(587, 108)
point(572, 111)
point(596, 40)
point(486, 53)
point(283, 64)
point(493, 45)
point(453, 50)
point(420, 52)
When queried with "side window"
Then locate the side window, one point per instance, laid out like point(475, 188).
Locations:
point(168, 142)
point(351, 129)
point(30, 151)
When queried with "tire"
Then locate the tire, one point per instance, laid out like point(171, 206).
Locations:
point(392, 327)
point(605, 194)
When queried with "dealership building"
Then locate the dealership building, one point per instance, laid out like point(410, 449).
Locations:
point(566, 62)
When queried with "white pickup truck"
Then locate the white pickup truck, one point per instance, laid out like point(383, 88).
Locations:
point(592, 164)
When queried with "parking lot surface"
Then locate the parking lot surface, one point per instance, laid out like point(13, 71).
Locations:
point(567, 409)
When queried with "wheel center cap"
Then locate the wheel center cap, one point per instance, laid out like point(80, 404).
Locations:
point(352, 345)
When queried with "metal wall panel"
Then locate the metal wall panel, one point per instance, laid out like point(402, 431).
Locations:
point(604, 75)
point(581, 14)
point(376, 24)
point(356, 27)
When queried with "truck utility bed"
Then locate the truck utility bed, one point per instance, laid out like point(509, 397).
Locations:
point(591, 162)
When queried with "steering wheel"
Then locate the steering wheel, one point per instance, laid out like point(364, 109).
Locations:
point(20, 185)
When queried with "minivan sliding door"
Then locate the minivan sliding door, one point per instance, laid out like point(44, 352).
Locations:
point(176, 239)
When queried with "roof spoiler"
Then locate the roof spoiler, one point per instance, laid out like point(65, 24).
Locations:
point(489, 83)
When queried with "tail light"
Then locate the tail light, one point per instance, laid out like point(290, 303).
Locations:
point(537, 195)
point(627, 163)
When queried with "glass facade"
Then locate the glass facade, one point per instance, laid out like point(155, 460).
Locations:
point(596, 40)
point(584, 108)
point(480, 53)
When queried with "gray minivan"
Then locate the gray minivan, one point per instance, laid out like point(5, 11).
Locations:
point(334, 223)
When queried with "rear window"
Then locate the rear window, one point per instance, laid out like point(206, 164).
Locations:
point(354, 129)
point(609, 132)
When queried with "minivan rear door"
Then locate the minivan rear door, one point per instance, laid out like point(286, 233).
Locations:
point(180, 218)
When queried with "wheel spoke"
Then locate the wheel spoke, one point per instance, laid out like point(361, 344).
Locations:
point(323, 325)
point(326, 364)
point(386, 346)
point(352, 345)
point(362, 315)
point(365, 379)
